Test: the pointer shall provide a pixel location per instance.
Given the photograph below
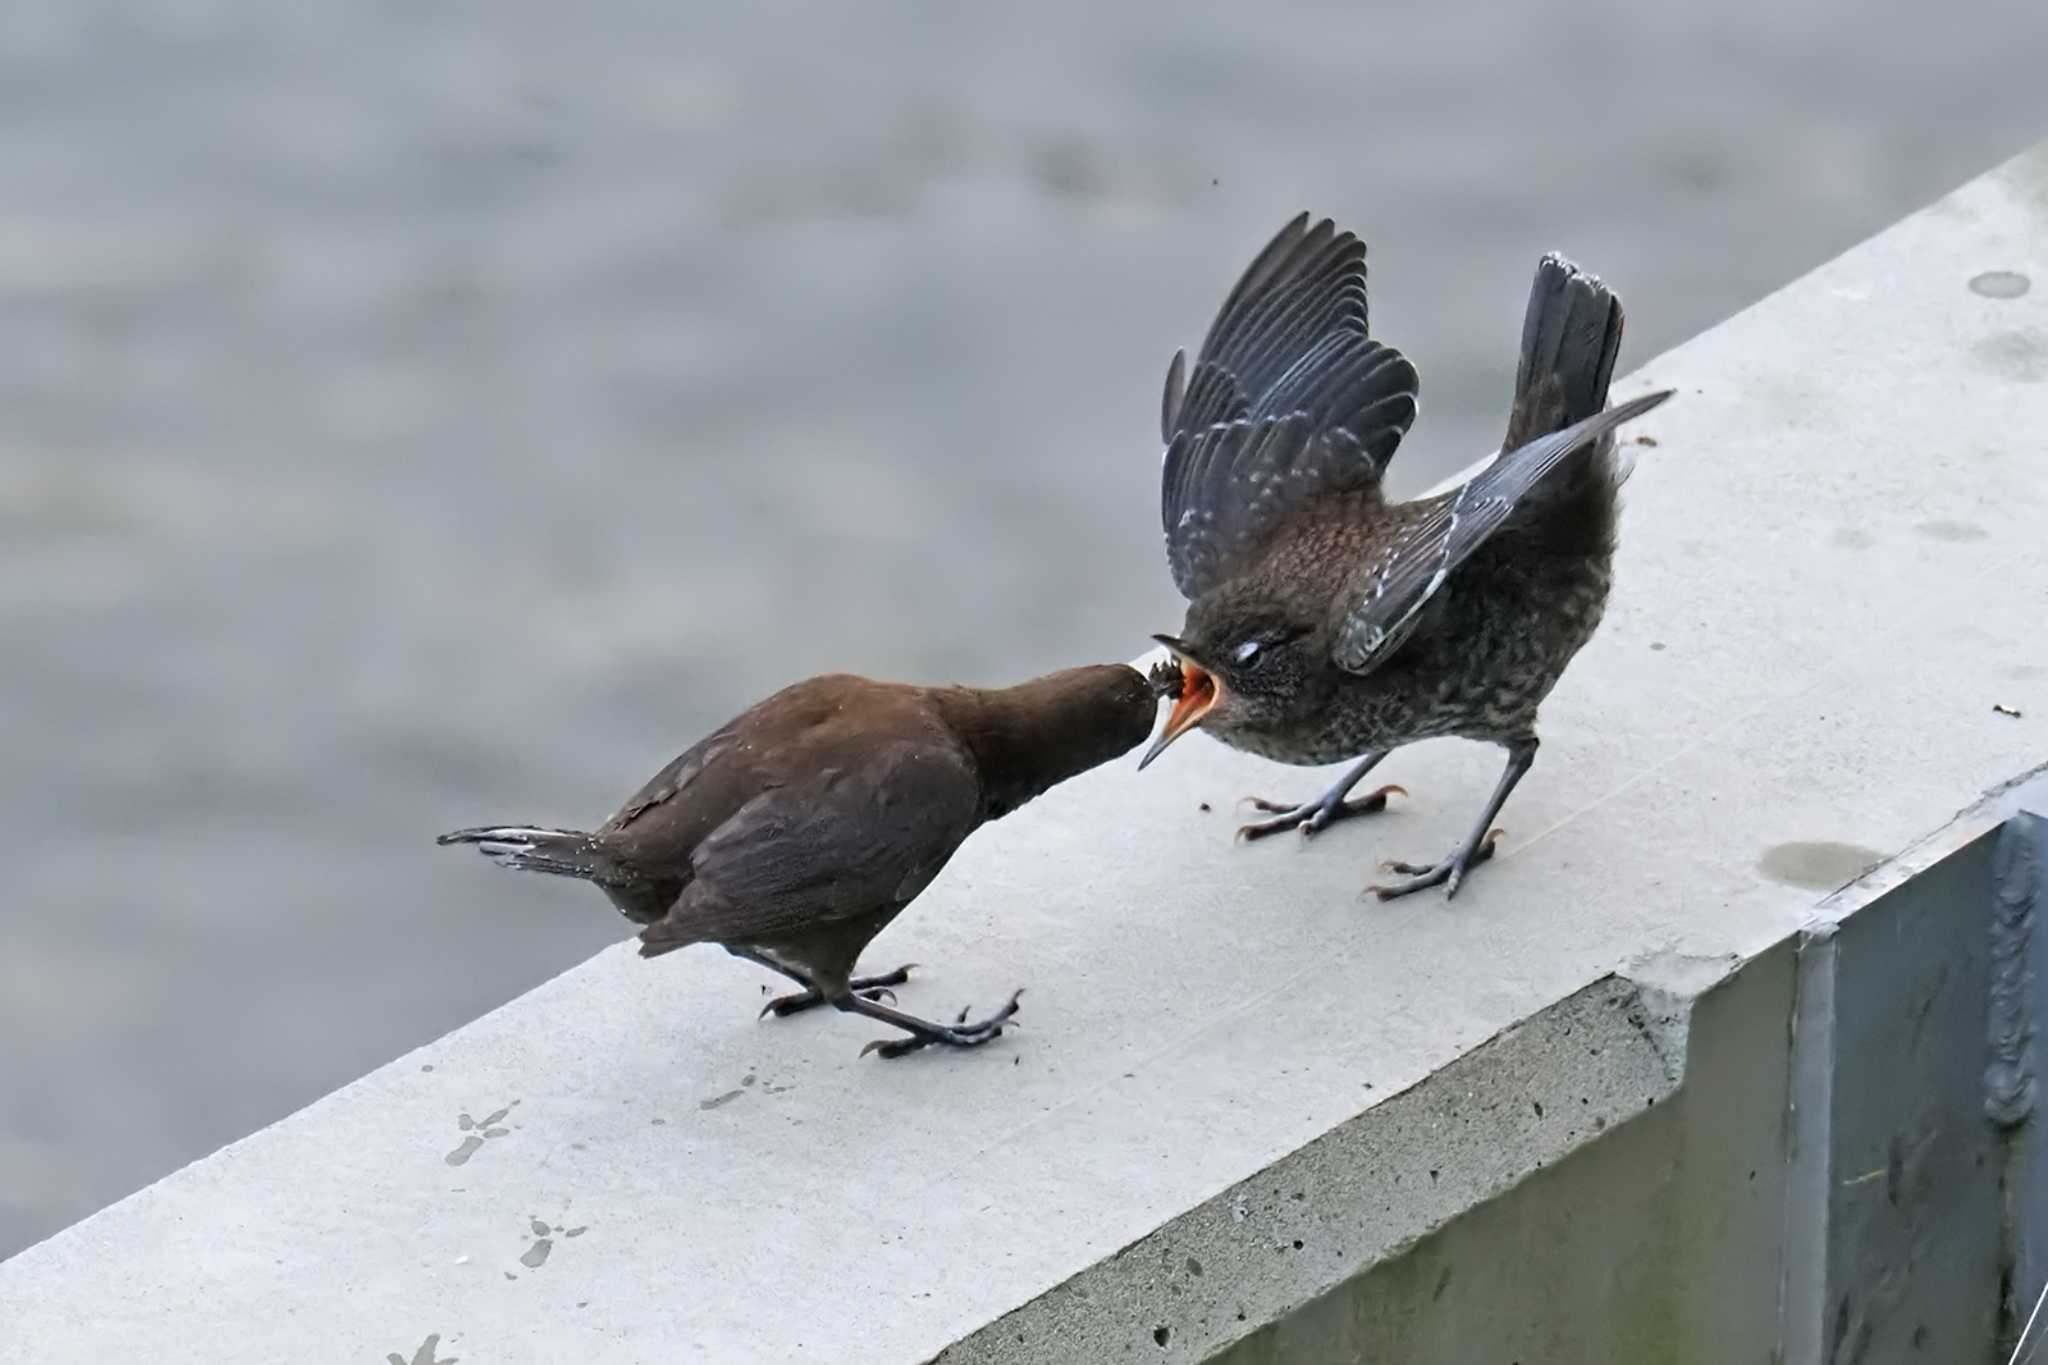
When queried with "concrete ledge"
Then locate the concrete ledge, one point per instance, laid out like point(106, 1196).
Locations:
point(1833, 569)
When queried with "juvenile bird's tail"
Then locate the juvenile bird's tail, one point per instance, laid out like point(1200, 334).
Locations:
point(560, 852)
point(1570, 338)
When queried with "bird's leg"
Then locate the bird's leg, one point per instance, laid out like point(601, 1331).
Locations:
point(782, 1006)
point(1325, 810)
point(874, 988)
point(1478, 846)
point(923, 1033)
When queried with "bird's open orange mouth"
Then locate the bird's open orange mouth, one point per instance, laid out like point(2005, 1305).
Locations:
point(1198, 694)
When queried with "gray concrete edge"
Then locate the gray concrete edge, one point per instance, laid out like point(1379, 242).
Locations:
point(1372, 1189)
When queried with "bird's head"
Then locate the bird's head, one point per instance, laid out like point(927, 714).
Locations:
point(1239, 671)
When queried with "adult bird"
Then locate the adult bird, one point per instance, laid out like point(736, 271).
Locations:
point(794, 834)
point(1327, 623)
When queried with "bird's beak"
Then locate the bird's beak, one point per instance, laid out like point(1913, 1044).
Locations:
point(1198, 693)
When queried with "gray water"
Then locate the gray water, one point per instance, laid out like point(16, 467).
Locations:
point(415, 414)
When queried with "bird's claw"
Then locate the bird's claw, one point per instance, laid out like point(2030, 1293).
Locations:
point(960, 1033)
point(1313, 817)
point(1450, 873)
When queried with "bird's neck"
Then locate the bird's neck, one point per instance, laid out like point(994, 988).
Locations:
point(1030, 738)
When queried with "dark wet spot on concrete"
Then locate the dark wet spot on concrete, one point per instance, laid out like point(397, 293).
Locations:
point(1194, 1266)
point(429, 1066)
point(2000, 284)
point(463, 1153)
point(1817, 864)
point(540, 1229)
point(1852, 538)
point(1162, 1335)
point(1953, 532)
point(537, 1255)
point(429, 1353)
point(2020, 355)
point(658, 1123)
point(577, 1231)
point(1656, 646)
point(747, 1079)
point(1443, 1282)
point(727, 1098)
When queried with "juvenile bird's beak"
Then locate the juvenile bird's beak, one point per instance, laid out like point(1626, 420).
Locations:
point(1198, 693)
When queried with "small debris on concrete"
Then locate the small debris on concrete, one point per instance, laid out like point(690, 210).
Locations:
point(2002, 709)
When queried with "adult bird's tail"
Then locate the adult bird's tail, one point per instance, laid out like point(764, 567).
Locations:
point(560, 852)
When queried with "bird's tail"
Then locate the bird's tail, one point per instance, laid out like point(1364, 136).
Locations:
point(1570, 338)
point(560, 852)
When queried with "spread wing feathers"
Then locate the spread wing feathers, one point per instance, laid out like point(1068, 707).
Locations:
point(1395, 588)
point(840, 843)
point(1306, 286)
point(1289, 398)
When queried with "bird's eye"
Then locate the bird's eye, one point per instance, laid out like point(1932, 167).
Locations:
point(1248, 653)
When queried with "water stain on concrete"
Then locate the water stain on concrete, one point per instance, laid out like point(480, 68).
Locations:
point(1852, 538)
point(1953, 532)
point(429, 1353)
point(1817, 864)
point(478, 1130)
point(2020, 355)
point(2000, 284)
point(537, 1255)
point(727, 1098)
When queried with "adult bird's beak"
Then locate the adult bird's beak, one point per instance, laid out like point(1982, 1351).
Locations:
point(1198, 693)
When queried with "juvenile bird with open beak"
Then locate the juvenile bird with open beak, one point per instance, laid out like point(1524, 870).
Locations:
point(1326, 623)
point(792, 835)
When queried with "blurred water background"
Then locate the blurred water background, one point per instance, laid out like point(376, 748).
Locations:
point(420, 413)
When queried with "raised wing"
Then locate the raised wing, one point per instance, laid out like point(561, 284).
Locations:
point(838, 843)
point(1288, 398)
point(1395, 588)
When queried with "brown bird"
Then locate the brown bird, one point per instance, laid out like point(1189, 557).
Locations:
point(1325, 622)
point(793, 834)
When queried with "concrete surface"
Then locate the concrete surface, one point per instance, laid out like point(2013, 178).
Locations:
point(1832, 572)
point(715, 334)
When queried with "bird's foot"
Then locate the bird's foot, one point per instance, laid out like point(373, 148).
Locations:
point(1313, 817)
point(874, 989)
point(1447, 874)
point(959, 1033)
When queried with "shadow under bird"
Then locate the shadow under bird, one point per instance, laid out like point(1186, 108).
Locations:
point(792, 835)
point(1326, 623)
